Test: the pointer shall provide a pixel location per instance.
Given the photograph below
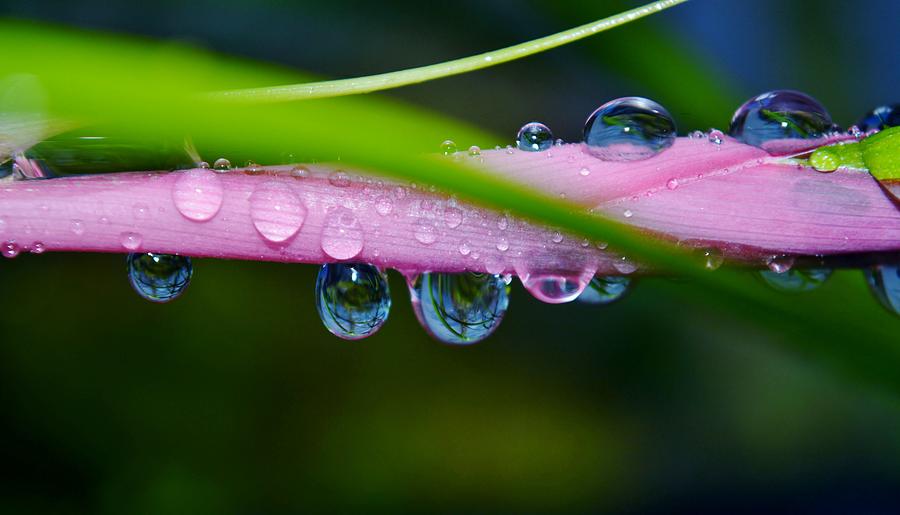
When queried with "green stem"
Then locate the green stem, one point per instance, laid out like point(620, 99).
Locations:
point(334, 88)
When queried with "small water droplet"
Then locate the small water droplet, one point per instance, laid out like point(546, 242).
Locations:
point(503, 245)
point(534, 137)
point(353, 300)
point(880, 118)
point(459, 309)
point(342, 236)
point(474, 151)
point(672, 184)
point(604, 290)
point(554, 287)
point(697, 135)
point(628, 213)
point(453, 217)
point(198, 194)
point(780, 263)
point(222, 165)
point(141, 211)
point(130, 240)
point(509, 150)
point(276, 211)
point(713, 258)
point(38, 248)
point(384, 205)
point(796, 280)
point(77, 227)
point(556, 237)
point(584, 172)
point(629, 129)
point(203, 164)
point(884, 281)
point(602, 245)
point(716, 137)
point(448, 147)
point(300, 172)
point(465, 248)
point(10, 249)
point(159, 277)
point(765, 120)
point(425, 231)
point(339, 179)
point(625, 265)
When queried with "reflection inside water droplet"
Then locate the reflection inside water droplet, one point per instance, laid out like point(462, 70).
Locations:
point(534, 137)
point(629, 129)
point(884, 280)
point(159, 277)
point(604, 290)
point(796, 280)
point(353, 300)
point(768, 119)
point(459, 309)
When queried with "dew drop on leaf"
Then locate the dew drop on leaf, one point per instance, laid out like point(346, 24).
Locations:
point(767, 120)
point(629, 129)
point(459, 309)
point(342, 236)
point(534, 137)
point(276, 211)
point(159, 277)
point(353, 300)
point(198, 194)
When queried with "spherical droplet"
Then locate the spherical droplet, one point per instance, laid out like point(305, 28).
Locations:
point(38, 248)
point(130, 240)
point(159, 277)
point(222, 164)
point(796, 280)
point(629, 129)
point(604, 290)
point(884, 280)
point(713, 258)
point(342, 236)
point(716, 137)
point(10, 249)
point(453, 217)
point(780, 263)
point(276, 211)
point(534, 137)
point(672, 184)
point(459, 309)
point(775, 116)
point(503, 244)
point(300, 172)
point(425, 231)
point(554, 287)
point(448, 147)
point(339, 179)
point(465, 248)
point(880, 118)
point(353, 300)
point(474, 151)
point(198, 194)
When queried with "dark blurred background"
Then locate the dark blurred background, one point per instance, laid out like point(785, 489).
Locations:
point(235, 399)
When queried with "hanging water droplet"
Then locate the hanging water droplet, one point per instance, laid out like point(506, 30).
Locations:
point(425, 231)
point(448, 147)
point(159, 277)
point(353, 300)
point(880, 118)
point(672, 184)
point(554, 287)
point(604, 290)
point(780, 263)
point(38, 248)
point(459, 309)
point(276, 211)
point(716, 137)
point(342, 236)
point(884, 280)
point(767, 119)
point(222, 164)
point(130, 240)
point(713, 258)
point(629, 129)
point(796, 280)
point(625, 265)
point(534, 137)
point(453, 217)
point(339, 179)
point(198, 194)
point(10, 249)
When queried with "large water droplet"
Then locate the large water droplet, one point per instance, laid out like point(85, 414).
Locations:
point(276, 211)
point(796, 280)
point(554, 287)
point(353, 300)
point(198, 194)
point(534, 137)
point(342, 236)
point(604, 290)
point(629, 129)
point(767, 120)
point(880, 118)
point(884, 281)
point(159, 277)
point(459, 309)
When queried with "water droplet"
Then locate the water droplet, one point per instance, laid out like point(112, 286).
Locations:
point(604, 290)
point(796, 280)
point(584, 172)
point(765, 120)
point(198, 194)
point(459, 309)
point(159, 277)
point(203, 164)
point(130, 240)
point(453, 217)
point(10, 249)
point(556, 237)
point(628, 213)
point(880, 118)
point(425, 231)
point(342, 236)
point(339, 179)
point(672, 184)
point(384, 205)
point(554, 287)
point(276, 211)
point(502, 223)
point(780, 263)
point(716, 137)
point(697, 135)
point(625, 265)
point(465, 248)
point(300, 172)
point(534, 137)
point(353, 300)
point(474, 151)
point(77, 227)
point(448, 147)
point(629, 129)
point(713, 258)
point(222, 164)
point(38, 248)
point(884, 280)
point(503, 245)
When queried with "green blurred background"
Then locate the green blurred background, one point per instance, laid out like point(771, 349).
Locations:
point(234, 398)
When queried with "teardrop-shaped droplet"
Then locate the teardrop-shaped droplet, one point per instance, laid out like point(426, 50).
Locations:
point(880, 118)
point(198, 194)
point(459, 309)
point(781, 263)
point(276, 211)
point(884, 280)
point(604, 290)
point(553, 287)
point(131, 240)
point(534, 137)
point(770, 120)
point(353, 300)
point(159, 277)
point(342, 235)
point(629, 129)
point(796, 280)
